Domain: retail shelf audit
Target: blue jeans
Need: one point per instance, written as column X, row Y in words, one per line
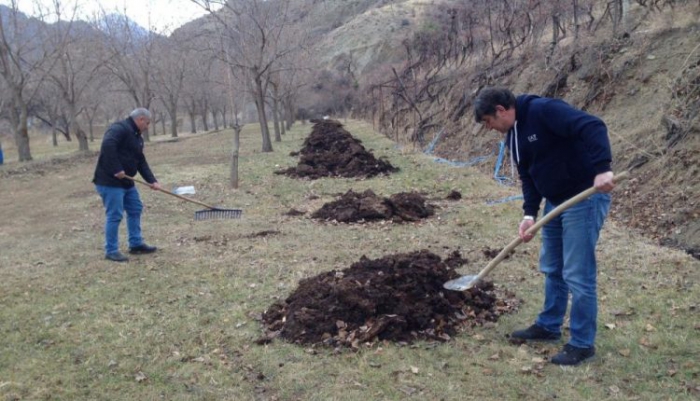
column 116, row 201
column 568, row 261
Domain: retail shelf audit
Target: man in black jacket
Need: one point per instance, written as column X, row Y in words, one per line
column 559, row 151
column 121, row 156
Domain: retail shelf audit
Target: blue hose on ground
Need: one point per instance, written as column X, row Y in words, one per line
column 431, row 146
column 503, row 180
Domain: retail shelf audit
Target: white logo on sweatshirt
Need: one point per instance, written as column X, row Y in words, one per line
column 532, row 138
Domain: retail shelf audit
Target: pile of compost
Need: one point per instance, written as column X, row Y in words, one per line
column 367, row 206
column 396, row 298
column 331, row 151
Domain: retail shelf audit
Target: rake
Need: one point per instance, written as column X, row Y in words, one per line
column 212, row 213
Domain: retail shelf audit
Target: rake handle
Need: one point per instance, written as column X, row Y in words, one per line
column 172, row 194
column 546, row 219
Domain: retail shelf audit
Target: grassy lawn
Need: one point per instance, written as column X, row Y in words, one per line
column 181, row 324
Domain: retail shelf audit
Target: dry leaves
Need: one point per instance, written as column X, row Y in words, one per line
column 140, row 377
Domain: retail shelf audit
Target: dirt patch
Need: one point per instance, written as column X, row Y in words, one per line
column 262, row 234
column 396, row 298
column 367, row 206
column 454, row 195
column 293, row 213
column 331, row 151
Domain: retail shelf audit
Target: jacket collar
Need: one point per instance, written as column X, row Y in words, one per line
column 133, row 125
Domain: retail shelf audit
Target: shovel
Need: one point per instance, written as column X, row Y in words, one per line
column 212, row 213
column 466, row 282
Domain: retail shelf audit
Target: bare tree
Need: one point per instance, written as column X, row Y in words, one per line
column 132, row 59
column 233, row 177
column 256, row 35
column 170, row 72
column 49, row 109
column 77, row 68
column 25, row 58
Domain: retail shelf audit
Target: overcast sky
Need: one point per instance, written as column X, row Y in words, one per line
column 162, row 15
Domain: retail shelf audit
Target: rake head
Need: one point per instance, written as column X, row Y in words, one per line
column 213, row 214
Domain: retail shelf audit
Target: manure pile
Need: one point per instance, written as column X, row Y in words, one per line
column 396, row 298
column 331, row 151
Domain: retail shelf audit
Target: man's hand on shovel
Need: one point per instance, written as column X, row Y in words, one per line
column 603, row 182
column 524, row 225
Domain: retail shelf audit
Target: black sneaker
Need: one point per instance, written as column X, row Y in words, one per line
column 142, row 249
column 535, row 333
column 571, row 356
column 116, row 257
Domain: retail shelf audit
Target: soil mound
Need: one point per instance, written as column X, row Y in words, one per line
column 331, row 151
column 454, row 195
column 367, row 206
column 396, row 298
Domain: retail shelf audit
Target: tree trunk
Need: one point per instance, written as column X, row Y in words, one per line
column 21, row 132
column 234, row 156
column 216, row 121
column 82, row 140
column 276, row 120
column 173, row 125
column 259, row 95
column 54, row 132
column 289, row 107
column 91, row 128
column 172, row 111
column 281, row 117
column 205, row 114
column 193, row 124
column 74, row 126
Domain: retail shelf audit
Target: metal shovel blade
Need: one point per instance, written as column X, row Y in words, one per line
column 461, row 283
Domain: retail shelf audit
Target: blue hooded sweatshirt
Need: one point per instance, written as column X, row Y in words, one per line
column 558, row 150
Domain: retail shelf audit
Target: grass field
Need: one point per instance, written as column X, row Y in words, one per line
column 181, row 324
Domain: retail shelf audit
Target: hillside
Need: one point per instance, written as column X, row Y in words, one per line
column 644, row 84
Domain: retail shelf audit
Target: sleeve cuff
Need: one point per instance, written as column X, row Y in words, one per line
column 601, row 168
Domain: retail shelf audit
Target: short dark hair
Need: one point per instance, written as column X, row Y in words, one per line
column 490, row 97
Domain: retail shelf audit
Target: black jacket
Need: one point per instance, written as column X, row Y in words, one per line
column 558, row 150
column 122, row 150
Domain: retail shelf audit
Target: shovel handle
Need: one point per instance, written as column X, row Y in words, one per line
column 172, row 194
column 545, row 219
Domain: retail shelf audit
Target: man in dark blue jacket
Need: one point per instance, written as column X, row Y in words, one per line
column 121, row 156
column 559, row 151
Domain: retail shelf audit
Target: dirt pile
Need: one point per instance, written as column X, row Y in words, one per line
column 367, row 206
column 331, row 151
column 396, row 298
